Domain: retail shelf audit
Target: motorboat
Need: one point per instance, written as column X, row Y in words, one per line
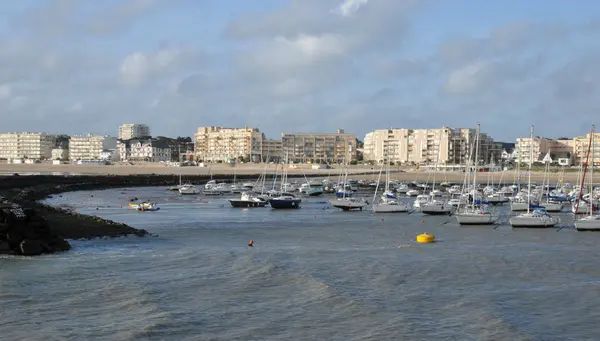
column 402, row 188
column 497, row 199
column 143, row 206
column 189, row 189
column 454, row 189
column 421, row 200
column 315, row 191
column 247, row 200
column 437, row 207
column 413, row 193
column 342, row 193
column 348, row 203
column 223, row 188
column 285, row 201
column 538, row 218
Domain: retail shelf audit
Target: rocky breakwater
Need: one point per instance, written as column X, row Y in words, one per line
column 24, row 232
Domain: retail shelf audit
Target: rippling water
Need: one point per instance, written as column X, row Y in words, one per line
column 314, row 274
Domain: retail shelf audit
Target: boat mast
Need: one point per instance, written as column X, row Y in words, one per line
column 529, row 168
column 476, row 164
column 587, row 158
column 592, row 139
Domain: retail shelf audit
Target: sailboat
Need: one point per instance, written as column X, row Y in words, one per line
column 590, row 222
column 474, row 213
column 549, row 205
column 387, row 204
column 285, row 200
column 434, row 206
column 347, row 203
column 538, row 217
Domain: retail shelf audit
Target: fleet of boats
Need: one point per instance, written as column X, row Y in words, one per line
column 471, row 203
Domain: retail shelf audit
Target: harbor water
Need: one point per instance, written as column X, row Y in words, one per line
column 314, row 273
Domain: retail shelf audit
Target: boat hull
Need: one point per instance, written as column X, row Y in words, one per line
column 390, row 208
column 532, row 223
column 475, row 219
column 246, row 203
column 553, row 207
column 285, row 204
column 585, row 224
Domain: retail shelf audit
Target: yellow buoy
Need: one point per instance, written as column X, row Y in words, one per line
column 425, row 238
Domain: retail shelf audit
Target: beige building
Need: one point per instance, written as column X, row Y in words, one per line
column 337, row 147
column 33, row 146
column 541, row 148
column 90, row 147
column 581, row 146
column 428, row 146
column 131, row 131
column 225, row 144
column 271, row 150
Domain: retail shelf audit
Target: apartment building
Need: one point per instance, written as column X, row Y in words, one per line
column 145, row 150
column 337, row 147
column 271, row 150
column 581, row 146
column 131, row 131
column 225, row 144
column 33, row 146
column 429, row 146
column 90, row 147
column 543, row 149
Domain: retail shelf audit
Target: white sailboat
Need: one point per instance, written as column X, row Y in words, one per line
column 475, row 214
column 434, row 206
column 387, row 204
column 539, row 217
column 189, row 189
column 590, row 222
column 549, row 206
column 346, row 203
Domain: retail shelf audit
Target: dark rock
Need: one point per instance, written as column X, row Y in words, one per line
column 4, row 247
column 32, row 247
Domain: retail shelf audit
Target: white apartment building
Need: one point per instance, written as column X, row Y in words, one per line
column 146, row 150
column 131, row 131
column 336, row 147
column 90, row 147
column 543, row 147
column 224, row 144
column 428, row 146
column 33, row 146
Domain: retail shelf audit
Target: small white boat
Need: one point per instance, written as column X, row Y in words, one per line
column 437, row 207
column 421, row 200
column 412, row 193
column 476, row 216
column 144, row 206
column 588, row 223
column 387, row 205
column 552, row 206
column 537, row 218
column 189, row 189
column 402, row 188
column 348, row 203
column 238, row 189
column 496, row 199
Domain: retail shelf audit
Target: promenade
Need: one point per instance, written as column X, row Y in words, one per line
column 356, row 172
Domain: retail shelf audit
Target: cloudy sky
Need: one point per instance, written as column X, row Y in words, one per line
column 76, row 66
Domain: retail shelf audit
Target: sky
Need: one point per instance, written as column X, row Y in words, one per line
column 77, row 67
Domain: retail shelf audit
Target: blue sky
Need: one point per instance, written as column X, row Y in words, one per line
column 74, row 66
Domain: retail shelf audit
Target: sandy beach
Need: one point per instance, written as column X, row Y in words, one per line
column 357, row 172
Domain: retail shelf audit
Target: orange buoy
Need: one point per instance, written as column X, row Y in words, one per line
column 422, row 220
column 314, row 216
column 251, row 242
column 381, row 219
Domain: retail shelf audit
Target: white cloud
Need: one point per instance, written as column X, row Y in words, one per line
column 349, row 7
column 466, row 79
